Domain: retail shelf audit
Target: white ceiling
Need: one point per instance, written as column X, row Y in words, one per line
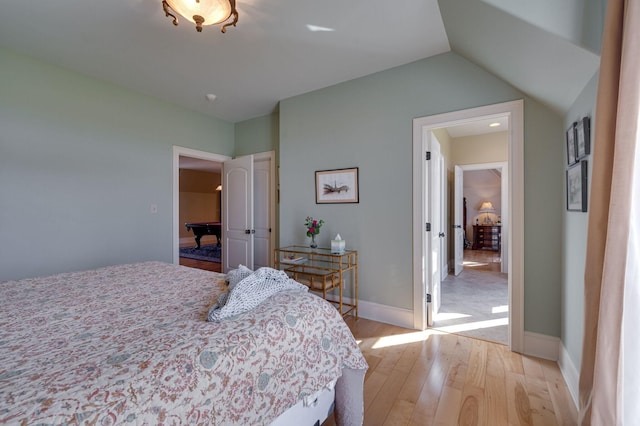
column 273, row 53
column 479, row 127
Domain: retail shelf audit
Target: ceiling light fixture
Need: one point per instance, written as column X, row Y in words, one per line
column 494, row 124
column 203, row 12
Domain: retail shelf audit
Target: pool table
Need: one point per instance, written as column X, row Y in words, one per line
column 205, row 228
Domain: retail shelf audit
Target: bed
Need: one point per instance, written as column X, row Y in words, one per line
column 130, row 344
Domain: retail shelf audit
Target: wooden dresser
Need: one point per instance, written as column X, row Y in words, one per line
column 487, row 237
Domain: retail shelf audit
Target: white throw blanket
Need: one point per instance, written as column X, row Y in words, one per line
column 251, row 291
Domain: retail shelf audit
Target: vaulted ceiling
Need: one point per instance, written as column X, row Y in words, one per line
column 283, row 48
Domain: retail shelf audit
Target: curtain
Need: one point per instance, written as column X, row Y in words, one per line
column 609, row 391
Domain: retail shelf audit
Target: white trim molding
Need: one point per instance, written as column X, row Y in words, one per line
column 515, row 239
column 541, row 345
column 381, row 313
column 570, row 373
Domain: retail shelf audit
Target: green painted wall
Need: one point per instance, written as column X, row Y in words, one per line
column 575, row 242
column 367, row 123
column 259, row 134
column 81, row 162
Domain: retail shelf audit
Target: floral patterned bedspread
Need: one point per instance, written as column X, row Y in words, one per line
column 129, row 344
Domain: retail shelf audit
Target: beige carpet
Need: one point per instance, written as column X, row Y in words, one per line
column 475, row 304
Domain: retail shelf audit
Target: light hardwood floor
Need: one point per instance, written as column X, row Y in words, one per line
column 482, row 260
column 425, row 378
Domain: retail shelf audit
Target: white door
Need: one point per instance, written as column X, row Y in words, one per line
column 458, row 226
column 237, row 213
column 444, row 257
column 434, row 235
column 262, row 186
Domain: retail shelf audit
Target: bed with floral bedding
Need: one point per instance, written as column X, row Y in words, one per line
column 130, row 344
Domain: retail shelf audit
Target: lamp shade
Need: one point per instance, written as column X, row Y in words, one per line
column 202, row 12
column 212, row 11
column 487, row 207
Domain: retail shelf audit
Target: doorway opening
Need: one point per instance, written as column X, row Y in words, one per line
column 475, row 299
column 197, row 201
column 512, row 227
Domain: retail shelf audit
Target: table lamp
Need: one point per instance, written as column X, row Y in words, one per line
column 487, row 207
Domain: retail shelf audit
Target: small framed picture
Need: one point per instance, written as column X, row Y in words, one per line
column 577, row 187
column 583, row 142
column 571, row 144
column 337, row 186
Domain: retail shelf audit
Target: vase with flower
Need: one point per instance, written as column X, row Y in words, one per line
column 313, row 228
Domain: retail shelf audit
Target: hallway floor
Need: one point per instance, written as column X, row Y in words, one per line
column 476, row 302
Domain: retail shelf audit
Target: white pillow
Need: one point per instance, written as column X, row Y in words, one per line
column 234, row 276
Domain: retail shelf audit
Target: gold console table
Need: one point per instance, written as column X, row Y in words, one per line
column 322, row 271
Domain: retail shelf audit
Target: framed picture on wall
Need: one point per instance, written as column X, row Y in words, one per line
column 577, row 187
column 583, row 141
column 337, row 186
column 571, row 144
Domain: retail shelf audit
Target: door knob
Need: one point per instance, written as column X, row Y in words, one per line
column 441, row 235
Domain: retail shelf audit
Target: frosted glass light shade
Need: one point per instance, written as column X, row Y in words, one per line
column 212, row 11
column 202, row 12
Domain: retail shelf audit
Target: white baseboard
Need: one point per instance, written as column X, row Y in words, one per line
column 541, row 345
column 570, row 373
column 381, row 313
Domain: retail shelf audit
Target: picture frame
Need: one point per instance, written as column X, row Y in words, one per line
column 577, row 187
column 583, row 140
column 337, row 186
column 571, row 144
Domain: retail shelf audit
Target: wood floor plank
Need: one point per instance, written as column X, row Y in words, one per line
column 532, row 368
column 448, row 406
column 372, row 387
column 448, row 379
column 412, row 388
column 519, row 407
column 477, row 366
column 496, row 400
column 409, row 356
column 495, row 362
column 424, row 412
column 400, row 413
column 385, row 399
column 473, row 410
column 542, row 413
column 563, row 405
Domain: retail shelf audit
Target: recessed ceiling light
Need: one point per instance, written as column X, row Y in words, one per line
column 211, row 97
column 494, row 124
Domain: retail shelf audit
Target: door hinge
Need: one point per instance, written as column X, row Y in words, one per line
column 428, row 298
column 428, row 155
column 428, row 226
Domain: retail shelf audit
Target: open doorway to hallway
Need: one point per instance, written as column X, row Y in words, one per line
column 424, row 129
column 475, row 301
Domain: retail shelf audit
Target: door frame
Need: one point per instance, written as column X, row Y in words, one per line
column 422, row 126
column 179, row 151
